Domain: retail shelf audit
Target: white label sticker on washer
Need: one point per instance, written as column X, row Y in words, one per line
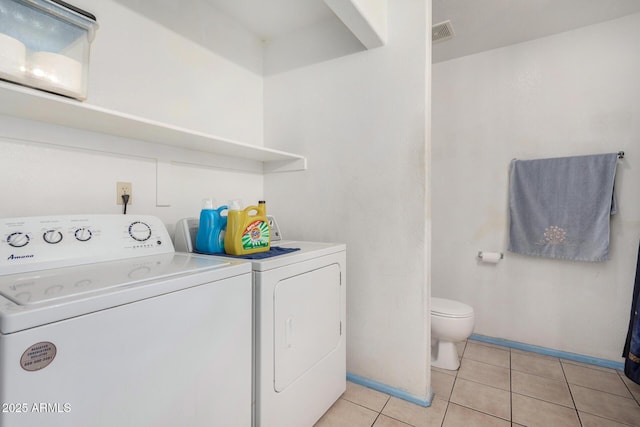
column 38, row 356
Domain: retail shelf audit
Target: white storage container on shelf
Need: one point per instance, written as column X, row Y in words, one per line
column 45, row 44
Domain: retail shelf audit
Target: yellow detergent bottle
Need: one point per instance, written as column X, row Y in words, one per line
column 247, row 230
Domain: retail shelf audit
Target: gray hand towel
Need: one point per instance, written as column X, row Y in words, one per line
column 561, row 207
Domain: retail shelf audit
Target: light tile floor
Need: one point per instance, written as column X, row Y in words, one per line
column 498, row 386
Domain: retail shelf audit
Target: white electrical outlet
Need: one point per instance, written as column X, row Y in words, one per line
column 275, row 230
column 121, row 189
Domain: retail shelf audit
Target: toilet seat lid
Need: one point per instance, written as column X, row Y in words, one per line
column 450, row 308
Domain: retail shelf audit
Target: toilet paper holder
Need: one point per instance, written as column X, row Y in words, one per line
column 481, row 254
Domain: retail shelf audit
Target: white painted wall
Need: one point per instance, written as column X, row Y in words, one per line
column 322, row 41
column 570, row 94
column 204, row 24
column 363, row 122
column 361, row 119
column 367, row 19
column 141, row 68
column 375, row 11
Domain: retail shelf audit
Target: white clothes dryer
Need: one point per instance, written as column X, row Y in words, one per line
column 102, row 324
column 299, row 329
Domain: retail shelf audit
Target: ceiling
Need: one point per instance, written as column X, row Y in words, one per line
column 481, row 25
column 272, row 18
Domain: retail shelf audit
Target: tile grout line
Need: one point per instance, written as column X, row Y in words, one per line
column 446, row 409
column 624, row 423
column 564, row 381
column 488, row 385
column 575, row 406
column 375, row 419
column 633, row 396
column 366, row 407
column 541, row 376
column 604, row 392
column 595, row 414
column 510, row 389
column 475, row 382
column 455, row 379
column 389, row 416
column 379, row 412
column 599, row 415
column 381, row 409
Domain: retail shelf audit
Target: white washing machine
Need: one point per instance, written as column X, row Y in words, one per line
column 299, row 335
column 102, row 324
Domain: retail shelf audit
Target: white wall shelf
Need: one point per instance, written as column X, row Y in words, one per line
column 32, row 104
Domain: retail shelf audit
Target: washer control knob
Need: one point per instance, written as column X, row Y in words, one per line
column 83, row 234
column 18, row 239
column 139, row 231
column 52, row 236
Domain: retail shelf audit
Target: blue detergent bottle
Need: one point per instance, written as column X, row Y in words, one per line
column 212, row 228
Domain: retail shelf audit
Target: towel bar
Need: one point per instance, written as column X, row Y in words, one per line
column 620, row 155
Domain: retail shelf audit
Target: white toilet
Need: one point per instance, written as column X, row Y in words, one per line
column 451, row 322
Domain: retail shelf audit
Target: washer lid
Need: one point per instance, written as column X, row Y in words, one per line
column 450, row 308
column 45, row 286
column 40, row 297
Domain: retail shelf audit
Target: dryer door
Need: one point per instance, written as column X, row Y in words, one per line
column 307, row 323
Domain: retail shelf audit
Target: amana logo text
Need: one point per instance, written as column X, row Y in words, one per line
column 12, row 256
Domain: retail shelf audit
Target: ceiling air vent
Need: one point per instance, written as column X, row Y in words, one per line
column 441, row 32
